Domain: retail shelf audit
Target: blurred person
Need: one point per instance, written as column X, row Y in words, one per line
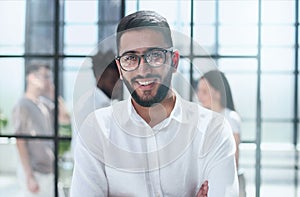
column 154, row 143
column 48, row 97
column 214, row 93
column 108, row 89
column 34, row 115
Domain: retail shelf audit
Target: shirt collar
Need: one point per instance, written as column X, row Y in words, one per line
column 130, row 122
column 176, row 113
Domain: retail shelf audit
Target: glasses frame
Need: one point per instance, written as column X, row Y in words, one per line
column 165, row 51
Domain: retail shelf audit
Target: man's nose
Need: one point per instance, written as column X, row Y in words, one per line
column 144, row 65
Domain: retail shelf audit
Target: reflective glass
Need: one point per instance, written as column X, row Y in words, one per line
column 80, row 39
column 277, row 96
column 277, row 59
column 248, row 128
column 247, row 12
column 72, row 68
column 247, row 166
column 277, row 132
column 11, row 89
column 12, row 30
column 280, row 12
column 242, row 38
column 278, row 35
column 205, row 12
column 277, row 181
column 131, row 6
column 178, row 18
column 243, row 87
column 238, row 65
column 89, row 8
column 205, row 37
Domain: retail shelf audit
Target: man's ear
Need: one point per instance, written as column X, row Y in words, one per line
column 175, row 60
column 119, row 68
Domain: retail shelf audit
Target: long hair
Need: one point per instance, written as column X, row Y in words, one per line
column 219, row 82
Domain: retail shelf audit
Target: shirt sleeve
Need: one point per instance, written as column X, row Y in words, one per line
column 235, row 121
column 89, row 177
column 20, row 119
column 217, row 155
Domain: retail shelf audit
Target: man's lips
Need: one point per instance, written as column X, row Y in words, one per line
column 146, row 84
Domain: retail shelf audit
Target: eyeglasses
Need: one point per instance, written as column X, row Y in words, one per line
column 154, row 57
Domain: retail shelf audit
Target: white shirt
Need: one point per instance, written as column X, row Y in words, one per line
column 234, row 120
column 90, row 101
column 119, row 154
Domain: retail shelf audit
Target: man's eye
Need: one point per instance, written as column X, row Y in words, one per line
column 130, row 58
column 156, row 54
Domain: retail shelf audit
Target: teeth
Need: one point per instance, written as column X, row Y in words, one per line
column 145, row 83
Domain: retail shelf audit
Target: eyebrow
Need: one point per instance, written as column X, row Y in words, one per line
column 132, row 51
column 148, row 49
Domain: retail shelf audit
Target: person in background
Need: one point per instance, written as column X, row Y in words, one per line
column 34, row 115
column 154, row 143
column 214, row 93
column 48, row 97
column 108, row 89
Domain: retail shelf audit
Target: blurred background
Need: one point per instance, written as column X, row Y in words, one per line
column 254, row 42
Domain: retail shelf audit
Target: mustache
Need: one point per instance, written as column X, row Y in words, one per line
column 144, row 77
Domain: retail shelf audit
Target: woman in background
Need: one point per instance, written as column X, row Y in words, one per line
column 213, row 92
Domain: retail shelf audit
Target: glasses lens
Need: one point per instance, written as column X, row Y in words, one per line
column 129, row 61
column 156, row 57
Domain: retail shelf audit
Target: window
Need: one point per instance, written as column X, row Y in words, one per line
column 254, row 42
column 62, row 35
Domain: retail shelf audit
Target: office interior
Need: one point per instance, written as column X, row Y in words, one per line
column 254, row 42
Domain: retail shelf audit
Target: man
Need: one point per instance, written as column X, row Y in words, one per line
column 155, row 143
column 32, row 116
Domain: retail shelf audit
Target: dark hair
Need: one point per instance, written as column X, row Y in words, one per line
column 219, row 82
column 144, row 19
column 33, row 67
column 102, row 61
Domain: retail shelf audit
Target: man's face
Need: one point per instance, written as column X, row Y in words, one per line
column 42, row 80
column 147, row 85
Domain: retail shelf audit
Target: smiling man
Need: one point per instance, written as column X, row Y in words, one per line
column 147, row 71
column 155, row 143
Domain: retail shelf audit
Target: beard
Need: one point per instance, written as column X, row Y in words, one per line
column 160, row 95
